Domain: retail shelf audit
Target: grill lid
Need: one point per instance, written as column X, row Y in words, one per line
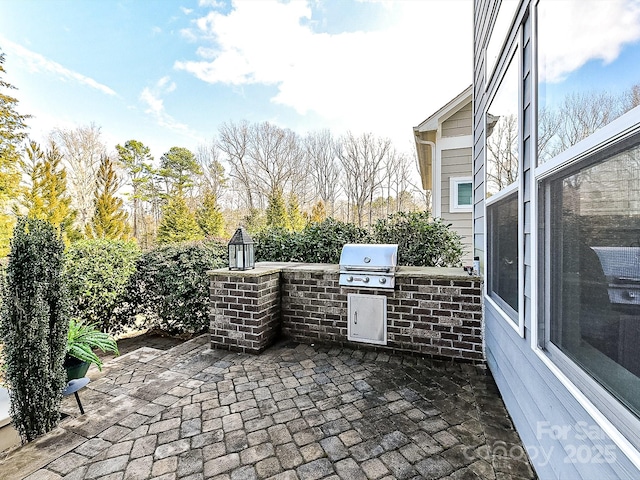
column 363, row 257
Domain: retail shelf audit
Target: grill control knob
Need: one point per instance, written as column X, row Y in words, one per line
column 349, row 278
column 365, row 279
column 383, row 280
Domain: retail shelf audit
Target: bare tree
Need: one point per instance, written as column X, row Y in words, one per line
column 502, row 152
column 400, row 179
column 277, row 158
column 233, row 143
column 362, row 158
column 212, row 178
column 579, row 115
column 324, row 167
column 424, row 196
column 584, row 113
column 631, row 98
column 82, row 149
column 548, row 125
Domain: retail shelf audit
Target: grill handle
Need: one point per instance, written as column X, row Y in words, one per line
column 362, row 268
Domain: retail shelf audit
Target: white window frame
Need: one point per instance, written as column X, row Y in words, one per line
column 602, row 406
column 514, row 319
column 454, row 206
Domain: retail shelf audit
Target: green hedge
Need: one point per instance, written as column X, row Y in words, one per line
column 317, row 243
column 170, row 288
column 115, row 285
column 98, row 273
column 422, row 241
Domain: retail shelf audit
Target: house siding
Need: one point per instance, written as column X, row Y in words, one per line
column 535, row 397
column 457, row 163
column 459, row 123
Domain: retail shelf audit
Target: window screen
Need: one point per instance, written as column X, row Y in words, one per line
column 502, row 253
column 594, row 269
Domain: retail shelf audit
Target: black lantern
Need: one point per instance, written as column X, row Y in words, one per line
column 241, row 256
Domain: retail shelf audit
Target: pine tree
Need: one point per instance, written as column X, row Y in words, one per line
column 277, row 211
column 45, row 195
column 209, row 216
column 109, row 219
column 12, row 133
column 296, row 219
column 178, row 222
column 137, row 160
column 178, row 168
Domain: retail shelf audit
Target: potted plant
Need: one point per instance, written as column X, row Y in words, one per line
column 81, row 340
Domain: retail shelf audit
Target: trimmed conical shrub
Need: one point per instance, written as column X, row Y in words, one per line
column 34, row 325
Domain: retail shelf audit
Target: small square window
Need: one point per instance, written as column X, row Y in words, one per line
column 464, row 194
column 461, row 194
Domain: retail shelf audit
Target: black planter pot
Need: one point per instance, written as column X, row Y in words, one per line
column 75, row 368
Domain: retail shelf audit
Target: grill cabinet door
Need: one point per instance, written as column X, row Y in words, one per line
column 367, row 318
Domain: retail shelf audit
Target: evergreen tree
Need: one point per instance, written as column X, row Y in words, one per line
column 45, row 195
column 137, row 161
column 209, row 216
column 178, row 222
column 109, row 219
column 277, row 210
column 255, row 220
column 12, row 133
column 296, row 219
column 178, row 167
column 34, row 323
column 318, row 212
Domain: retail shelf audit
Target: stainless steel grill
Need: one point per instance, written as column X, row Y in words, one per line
column 621, row 266
column 369, row 265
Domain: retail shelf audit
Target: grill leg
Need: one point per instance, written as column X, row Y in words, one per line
column 79, row 403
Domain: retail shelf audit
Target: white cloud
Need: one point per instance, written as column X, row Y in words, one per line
column 186, row 11
column 385, row 81
column 211, row 3
column 38, row 63
column 151, row 97
column 567, row 46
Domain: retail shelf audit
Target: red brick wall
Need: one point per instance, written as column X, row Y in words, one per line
column 245, row 310
column 435, row 315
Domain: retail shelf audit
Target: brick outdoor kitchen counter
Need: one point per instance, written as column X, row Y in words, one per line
column 433, row 312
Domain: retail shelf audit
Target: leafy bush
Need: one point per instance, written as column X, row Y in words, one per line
column 170, row 288
column 422, row 240
column 317, row 243
column 97, row 274
column 34, row 322
column 322, row 242
column 275, row 244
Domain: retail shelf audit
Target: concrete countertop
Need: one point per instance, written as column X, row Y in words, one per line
column 266, row 268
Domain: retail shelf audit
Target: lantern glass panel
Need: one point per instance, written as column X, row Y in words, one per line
column 232, row 256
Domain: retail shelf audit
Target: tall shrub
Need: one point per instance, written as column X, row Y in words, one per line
column 97, row 273
column 317, row 243
column 170, row 288
column 422, row 240
column 275, row 244
column 34, row 323
column 322, row 242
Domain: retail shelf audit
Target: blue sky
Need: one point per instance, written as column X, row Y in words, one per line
column 168, row 73
column 599, row 50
